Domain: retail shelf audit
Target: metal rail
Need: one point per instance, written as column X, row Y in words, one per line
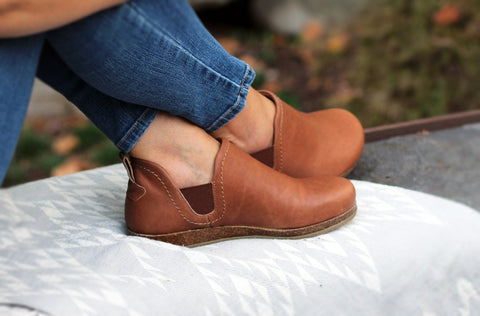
column 373, row 134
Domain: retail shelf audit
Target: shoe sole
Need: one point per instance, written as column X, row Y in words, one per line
column 202, row 236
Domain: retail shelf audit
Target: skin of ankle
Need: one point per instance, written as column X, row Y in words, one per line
column 186, row 151
column 252, row 128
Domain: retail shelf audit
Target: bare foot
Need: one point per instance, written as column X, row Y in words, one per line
column 252, row 128
column 186, row 151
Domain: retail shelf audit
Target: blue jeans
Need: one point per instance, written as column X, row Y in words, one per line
column 120, row 67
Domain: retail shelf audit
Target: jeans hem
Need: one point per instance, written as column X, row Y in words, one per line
column 239, row 104
column 136, row 130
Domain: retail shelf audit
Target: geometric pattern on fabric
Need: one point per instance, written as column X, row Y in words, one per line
column 64, row 250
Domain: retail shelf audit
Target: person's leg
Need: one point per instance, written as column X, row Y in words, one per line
column 123, row 123
column 240, row 196
column 182, row 148
column 157, row 54
column 201, row 94
column 18, row 63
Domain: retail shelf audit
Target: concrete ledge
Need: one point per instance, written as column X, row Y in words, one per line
column 444, row 162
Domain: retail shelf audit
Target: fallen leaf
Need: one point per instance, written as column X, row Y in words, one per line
column 337, row 43
column 71, row 165
column 312, row 31
column 279, row 40
column 307, row 56
column 447, row 14
column 230, row 45
column 65, row 144
column 344, row 94
column 254, row 62
column 273, row 86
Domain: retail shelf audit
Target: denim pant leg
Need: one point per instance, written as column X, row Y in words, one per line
column 123, row 123
column 158, row 54
column 18, row 63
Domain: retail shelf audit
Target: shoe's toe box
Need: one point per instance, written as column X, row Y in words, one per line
column 325, row 198
column 342, row 140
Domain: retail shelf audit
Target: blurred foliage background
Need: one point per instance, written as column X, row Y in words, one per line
column 406, row 60
column 396, row 60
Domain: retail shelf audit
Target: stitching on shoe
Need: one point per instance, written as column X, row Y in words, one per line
column 281, row 134
column 221, row 185
column 171, row 198
column 143, row 194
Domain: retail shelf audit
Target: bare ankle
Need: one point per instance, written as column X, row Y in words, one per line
column 183, row 149
column 252, row 128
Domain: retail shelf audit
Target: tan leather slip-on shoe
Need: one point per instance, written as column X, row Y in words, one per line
column 245, row 199
column 327, row 142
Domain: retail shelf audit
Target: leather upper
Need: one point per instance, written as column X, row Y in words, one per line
column 327, row 142
column 245, row 193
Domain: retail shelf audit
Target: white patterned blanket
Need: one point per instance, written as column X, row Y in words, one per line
column 64, row 251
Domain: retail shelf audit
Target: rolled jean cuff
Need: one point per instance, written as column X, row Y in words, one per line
column 136, row 131
column 139, row 127
column 238, row 104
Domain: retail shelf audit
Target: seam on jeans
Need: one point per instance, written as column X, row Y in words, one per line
column 172, row 200
column 179, row 45
column 235, row 106
column 134, row 127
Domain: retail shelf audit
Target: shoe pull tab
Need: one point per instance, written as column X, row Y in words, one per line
column 128, row 165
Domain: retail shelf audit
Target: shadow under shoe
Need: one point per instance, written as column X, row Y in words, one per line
column 245, row 199
column 327, row 142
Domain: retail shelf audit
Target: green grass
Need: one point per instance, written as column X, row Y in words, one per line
column 31, row 144
column 408, row 66
column 34, row 158
column 89, row 136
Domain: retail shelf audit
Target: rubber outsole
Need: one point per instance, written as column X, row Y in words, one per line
column 202, row 236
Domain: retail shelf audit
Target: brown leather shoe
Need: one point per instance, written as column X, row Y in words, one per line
column 245, row 199
column 327, row 142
